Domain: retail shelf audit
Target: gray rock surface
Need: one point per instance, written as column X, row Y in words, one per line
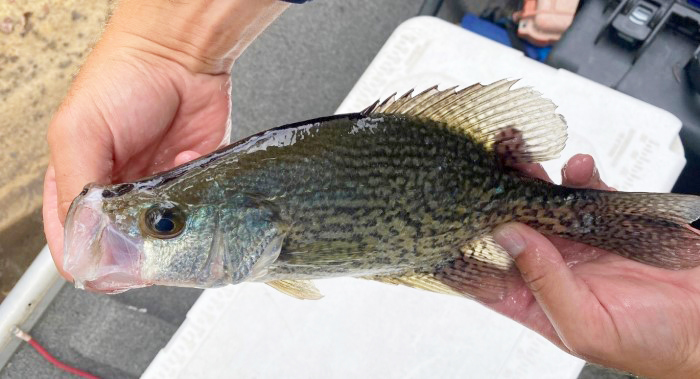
column 305, row 64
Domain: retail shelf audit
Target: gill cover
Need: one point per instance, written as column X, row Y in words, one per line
column 251, row 235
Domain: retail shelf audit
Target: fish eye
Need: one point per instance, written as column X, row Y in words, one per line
column 163, row 221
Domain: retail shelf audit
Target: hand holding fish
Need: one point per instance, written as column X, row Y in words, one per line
column 148, row 98
column 392, row 195
column 600, row 306
column 417, row 190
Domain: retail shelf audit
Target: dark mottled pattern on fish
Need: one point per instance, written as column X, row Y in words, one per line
column 405, row 192
column 389, row 195
column 377, row 195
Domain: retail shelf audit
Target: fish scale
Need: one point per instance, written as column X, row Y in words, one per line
column 405, row 192
column 330, row 228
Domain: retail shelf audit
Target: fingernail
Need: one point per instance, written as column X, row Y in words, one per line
column 508, row 237
column 564, row 177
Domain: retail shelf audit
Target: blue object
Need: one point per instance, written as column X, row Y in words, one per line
column 498, row 33
column 485, row 28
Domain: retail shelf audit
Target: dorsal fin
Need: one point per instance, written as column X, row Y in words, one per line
column 491, row 114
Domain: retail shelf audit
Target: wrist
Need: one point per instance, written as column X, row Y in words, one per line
column 203, row 36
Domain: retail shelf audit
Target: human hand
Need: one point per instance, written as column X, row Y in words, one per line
column 599, row 306
column 153, row 94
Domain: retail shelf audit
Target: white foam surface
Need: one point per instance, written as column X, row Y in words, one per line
column 362, row 329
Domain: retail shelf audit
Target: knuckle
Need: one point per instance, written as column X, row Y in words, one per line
column 536, row 282
column 56, row 126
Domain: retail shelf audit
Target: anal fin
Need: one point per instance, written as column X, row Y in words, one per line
column 484, row 271
column 300, row 289
column 426, row 282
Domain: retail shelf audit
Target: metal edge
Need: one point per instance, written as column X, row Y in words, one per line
column 27, row 301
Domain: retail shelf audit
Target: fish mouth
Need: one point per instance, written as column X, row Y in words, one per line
column 99, row 256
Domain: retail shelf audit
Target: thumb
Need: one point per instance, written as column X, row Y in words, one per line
column 81, row 153
column 562, row 297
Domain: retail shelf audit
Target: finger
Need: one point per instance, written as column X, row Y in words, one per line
column 52, row 226
column 534, row 170
column 561, row 296
column 81, row 153
column 580, row 172
column 186, row 156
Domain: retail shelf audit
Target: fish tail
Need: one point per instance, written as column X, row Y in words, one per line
column 646, row 227
column 651, row 228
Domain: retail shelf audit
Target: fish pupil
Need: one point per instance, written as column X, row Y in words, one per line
column 163, row 221
column 164, row 225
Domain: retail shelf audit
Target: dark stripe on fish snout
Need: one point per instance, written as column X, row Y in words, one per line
column 118, row 191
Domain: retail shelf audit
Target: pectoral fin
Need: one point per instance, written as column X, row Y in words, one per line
column 300, row 289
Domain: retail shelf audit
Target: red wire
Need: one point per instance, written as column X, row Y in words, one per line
column 40, row 349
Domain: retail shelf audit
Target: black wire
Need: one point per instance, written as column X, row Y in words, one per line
column 430, row 7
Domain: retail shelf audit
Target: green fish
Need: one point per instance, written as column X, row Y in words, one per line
column 405, row 192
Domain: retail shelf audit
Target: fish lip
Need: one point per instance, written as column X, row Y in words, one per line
column 98, row 256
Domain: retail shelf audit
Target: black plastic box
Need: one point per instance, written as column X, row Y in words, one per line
column 647, row 49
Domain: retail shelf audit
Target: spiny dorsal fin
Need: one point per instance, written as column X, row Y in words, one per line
column 518, row 121
column 301, row 289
